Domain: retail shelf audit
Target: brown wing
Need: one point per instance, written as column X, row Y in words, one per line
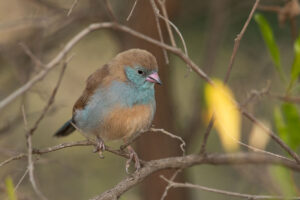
column 92, row 83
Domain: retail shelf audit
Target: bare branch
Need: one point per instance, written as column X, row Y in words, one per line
column 52, row 97
column 31, row 55
column 188, row 161
column 17, row 157
column 131, row 11
column 224, row 192
column 182, row 145
column 74, row 4
column 238, row 39
column 169, row 186
column 110, row 10
column 30, row 162
column 161, row 38
column 166, row 18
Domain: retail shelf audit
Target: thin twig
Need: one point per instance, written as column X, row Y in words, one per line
column 286, row 98
column 110, row 10
column 206, row 134
column 182, row 145
column 31, row 55
column 75, row 2
column 238, row 39
column 52, row 97
column 17, row 157
column 131, row 11
column 177, row 31
column 164, row 195
column 21, row 179
column 30, row 162
column 161, row 38
column 224, row 192
column 165, row 16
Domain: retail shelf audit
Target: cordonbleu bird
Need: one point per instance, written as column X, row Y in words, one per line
column 118, row 101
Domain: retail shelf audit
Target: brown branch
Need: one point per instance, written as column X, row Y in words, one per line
column 182, row 145
column 238, row 39
column 29, row 157
column 131, row 11
column 164, row 195
column 286, row 98
column 224, row 192
column 161, row 38
column 51, row 99
column 74, row 4
column 188, row 161
column 110, row 10
column 17, row 157
column 37, row 62
column 162, row 5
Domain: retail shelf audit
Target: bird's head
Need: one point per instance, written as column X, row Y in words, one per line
column 140, row 67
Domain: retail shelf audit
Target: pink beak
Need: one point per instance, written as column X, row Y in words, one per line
column 154, row 78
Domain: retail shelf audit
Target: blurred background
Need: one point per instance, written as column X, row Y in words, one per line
column 209, row 28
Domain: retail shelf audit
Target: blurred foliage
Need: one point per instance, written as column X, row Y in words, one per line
column 296, row 64
column 271, row 44
column 283, row 177
column 286, row 116
column 10, row 190
column 287, row 122
column 221, row 105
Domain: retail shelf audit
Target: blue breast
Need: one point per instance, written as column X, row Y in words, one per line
column 119, row 94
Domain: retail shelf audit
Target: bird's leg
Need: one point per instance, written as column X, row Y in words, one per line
column 100, row 147
column 132, row 156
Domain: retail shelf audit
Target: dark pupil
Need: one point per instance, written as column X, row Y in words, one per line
column 140, row 72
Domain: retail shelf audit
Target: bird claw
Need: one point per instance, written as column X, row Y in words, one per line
column 132, row 156
column 100, row 147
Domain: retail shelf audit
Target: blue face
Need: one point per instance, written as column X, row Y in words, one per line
column 138, row 76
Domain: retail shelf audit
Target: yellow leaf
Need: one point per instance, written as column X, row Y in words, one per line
column 258, row 138
column 220, row 102
column 10, row 189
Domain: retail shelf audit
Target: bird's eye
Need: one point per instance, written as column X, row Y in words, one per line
column 140, row 72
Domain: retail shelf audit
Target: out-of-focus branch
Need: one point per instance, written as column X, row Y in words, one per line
column 110, row 10
column 51, row 99
column 30, row 161
column 162, row 5
column 131, row 11
column 161, row 38
column 173, row 184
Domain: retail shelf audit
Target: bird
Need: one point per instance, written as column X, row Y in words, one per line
column 118, row 101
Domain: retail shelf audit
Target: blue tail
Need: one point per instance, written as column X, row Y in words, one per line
column 65, row 130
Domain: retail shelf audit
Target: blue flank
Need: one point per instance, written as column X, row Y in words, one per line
column 119, row 94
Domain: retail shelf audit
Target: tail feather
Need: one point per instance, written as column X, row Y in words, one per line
column 65, row 130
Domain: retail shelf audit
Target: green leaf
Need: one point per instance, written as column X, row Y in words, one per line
column 296, row 64
column 270, row 42
column 282, row 177
column 287, row 121
column 10, row 189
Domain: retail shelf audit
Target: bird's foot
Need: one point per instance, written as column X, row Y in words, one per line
column 100, row 147
column 132, row 156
